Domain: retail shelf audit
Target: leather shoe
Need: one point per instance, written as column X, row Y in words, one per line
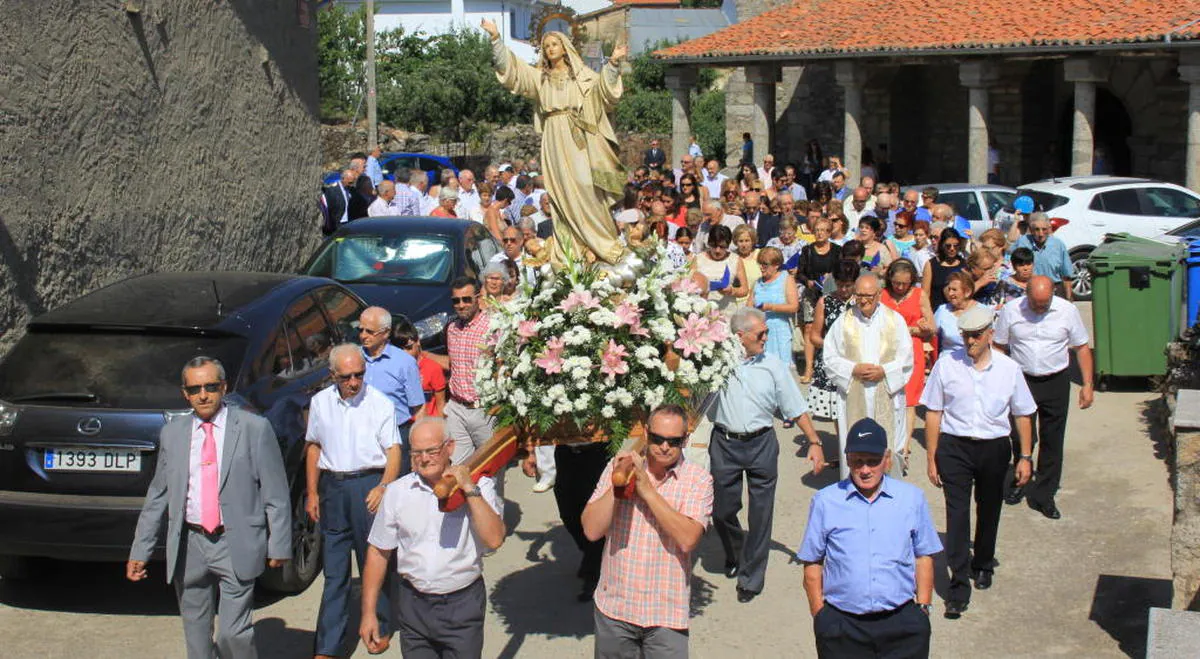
column 1048, row 509
column 954, row 610
column 983, row 579
column 744, row 595
column 731, row 569
column 1014, row 496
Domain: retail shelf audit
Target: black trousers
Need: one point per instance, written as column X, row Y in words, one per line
column 965, row 464
column 757, row 461
column 1052, row 393
column 446, row 626
column 899, row 634
column 579, row 470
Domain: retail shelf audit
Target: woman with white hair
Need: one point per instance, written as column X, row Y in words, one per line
column 447, row 200
column 496, row 279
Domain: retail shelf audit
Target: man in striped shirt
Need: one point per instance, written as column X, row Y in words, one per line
column 645, row 577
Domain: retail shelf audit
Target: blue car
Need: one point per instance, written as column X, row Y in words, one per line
column 393, row 160
column 405, row 265
column 84, row 394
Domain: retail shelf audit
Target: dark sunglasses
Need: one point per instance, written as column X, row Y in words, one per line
column 357, row 375
column 872, row 461
column 674, row 442
column 509, row 240
column 900, row 225
column 210, row 387
column 466, row 299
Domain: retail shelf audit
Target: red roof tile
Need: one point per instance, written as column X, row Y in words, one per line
column 837, row 27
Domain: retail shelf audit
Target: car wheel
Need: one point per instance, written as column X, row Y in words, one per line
column 298, row 573
column 1082, row 286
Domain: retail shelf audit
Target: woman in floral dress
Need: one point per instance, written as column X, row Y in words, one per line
column 822, row 394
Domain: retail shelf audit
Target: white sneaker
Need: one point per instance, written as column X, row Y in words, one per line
column 543, row 484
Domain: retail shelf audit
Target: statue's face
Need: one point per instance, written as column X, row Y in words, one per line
column 552, row 48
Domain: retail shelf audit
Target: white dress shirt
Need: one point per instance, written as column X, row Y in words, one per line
column 1040, row 342
column 192, row 507
column 468, row 201
column 382, row 208
column 713, row 185
column 977, row 403
column 437, row 552
column 354, row 433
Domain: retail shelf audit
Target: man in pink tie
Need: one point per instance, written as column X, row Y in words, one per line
column 220, row 486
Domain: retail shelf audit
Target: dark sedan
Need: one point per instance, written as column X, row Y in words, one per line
column 85, row 392
column 405, row 265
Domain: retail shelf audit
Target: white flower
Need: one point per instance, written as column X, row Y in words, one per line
column 602, row 318
column 608, row 412
column 582, row 402
column 577, row 336
column 553, row 320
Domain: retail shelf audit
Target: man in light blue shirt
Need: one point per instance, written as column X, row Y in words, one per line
column 1050, row 257
column 392, row 371
column 868, row 557
column 374, row 171
column 743, row 444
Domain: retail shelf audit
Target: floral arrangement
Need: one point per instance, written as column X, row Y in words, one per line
column 578, row 351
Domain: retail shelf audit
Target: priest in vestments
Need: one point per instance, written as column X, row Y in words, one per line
column 868, row 354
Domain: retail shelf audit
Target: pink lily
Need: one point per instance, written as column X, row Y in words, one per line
column 576, row 299
column 718, row 329
column 527, row 329
column 685, row 285
column 692, row 335
column 550, row 360
column 629, row 314
column 613, row 362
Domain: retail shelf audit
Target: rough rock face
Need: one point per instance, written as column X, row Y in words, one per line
column 145, row 135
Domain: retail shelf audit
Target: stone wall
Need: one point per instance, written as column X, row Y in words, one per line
column 152, row 135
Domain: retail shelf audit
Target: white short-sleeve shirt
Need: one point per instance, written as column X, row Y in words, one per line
column 977, row 403
column 354, row 433
column 436, row 552
column 1040, row 342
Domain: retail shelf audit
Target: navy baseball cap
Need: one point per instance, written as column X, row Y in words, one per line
column 866, row 436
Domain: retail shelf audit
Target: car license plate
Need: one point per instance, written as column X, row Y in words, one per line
column 93, row 459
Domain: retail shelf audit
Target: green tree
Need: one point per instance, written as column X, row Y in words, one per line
column 341, row 53
column 645, row 107
column 708, row 122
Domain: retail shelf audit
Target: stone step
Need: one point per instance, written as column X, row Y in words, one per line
column 1172, row 634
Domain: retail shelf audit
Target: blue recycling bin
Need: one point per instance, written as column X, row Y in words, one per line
column 1193, row 282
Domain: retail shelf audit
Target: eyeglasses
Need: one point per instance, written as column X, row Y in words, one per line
column 900, row 225
column 866, row 296
column 674, row 442
column 466, row 299
column 873, row 461
column 764, row 264
column 509, row 240
column 427, row 452
column 364, row 330
column 357, row 375
column 210, row 387
column 685, row 184
column 977, row 334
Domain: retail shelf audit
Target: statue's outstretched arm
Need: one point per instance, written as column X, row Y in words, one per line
column 517, row 77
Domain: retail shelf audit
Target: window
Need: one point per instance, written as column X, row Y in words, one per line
column 308, row 335
column 1167, row 202
column 1120, row 202
column 965, row 204
column 480, row 247
column 389, row 167
column 404, row 258
column 1044, row 201
column 343, row 311
column 275, row 360
column 997, row 200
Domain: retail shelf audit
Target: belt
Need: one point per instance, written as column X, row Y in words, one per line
column 196, row 528
column 742, row 436
column 405, row 583
column 874, row 615
column 348, row 475
column 974, row 439
column 1050, row 376
column 464, row 402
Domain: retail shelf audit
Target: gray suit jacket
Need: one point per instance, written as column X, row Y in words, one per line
column 255, row 506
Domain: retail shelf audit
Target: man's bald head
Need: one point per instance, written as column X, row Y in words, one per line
column 1040, row 292
column 861, row 194
column 943, row 212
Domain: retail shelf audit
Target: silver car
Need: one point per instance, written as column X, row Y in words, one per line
column 985, row 205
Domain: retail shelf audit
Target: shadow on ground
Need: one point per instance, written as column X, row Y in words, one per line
column 1121, row 606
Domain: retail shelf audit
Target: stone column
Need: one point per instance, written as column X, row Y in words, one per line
column 850, row 77
column 764, row 77
column 1085, row 73
column 977, row 77
column 1189, row 72
column 680, row 81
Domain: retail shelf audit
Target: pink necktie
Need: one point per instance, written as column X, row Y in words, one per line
column 210, row 505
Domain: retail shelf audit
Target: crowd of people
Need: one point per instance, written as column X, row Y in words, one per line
column 882, row 302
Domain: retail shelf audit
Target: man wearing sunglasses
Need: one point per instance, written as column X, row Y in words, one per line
column 744, row 444
column 868, row 557
column 352, row 453
column 642, row 601
column 972, row 393
column 220, row 486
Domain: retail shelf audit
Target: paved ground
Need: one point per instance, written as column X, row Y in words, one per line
column 1076, row 587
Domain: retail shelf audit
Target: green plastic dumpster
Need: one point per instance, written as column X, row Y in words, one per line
column 1137, row 295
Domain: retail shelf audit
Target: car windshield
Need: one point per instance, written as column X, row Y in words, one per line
column 396, row 259
column 1189, row 230
column 126, row 369
column 998, row 200
column 1045, row 201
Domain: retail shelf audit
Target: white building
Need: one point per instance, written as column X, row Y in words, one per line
column 512, row 17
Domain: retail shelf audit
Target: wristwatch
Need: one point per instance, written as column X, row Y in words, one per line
column 816, row 443
column 473, row 492
column 1027, row 457
column 924, row 608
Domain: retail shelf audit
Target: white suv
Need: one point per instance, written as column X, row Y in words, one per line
column 1084, row 208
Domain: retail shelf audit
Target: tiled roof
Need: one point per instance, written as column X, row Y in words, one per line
column 881, row 27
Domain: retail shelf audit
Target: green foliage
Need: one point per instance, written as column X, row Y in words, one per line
column 708, row 122
column 341, row 57
column 644, row 111
column 700, row 4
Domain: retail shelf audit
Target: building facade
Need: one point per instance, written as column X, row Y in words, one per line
column 512, row 17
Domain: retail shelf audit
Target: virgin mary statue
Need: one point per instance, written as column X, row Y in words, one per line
column 583, row 174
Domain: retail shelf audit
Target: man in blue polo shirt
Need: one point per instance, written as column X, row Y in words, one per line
column 1050, row 256
column 868, row 557
column 392, row 371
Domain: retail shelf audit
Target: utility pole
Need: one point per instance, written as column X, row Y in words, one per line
column 372, row 131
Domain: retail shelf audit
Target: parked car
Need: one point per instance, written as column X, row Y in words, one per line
column 1183, row 233
column 406, row 264
column 985, row 206
column 1084, row 208
column 391, row 161
column 85, row 392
